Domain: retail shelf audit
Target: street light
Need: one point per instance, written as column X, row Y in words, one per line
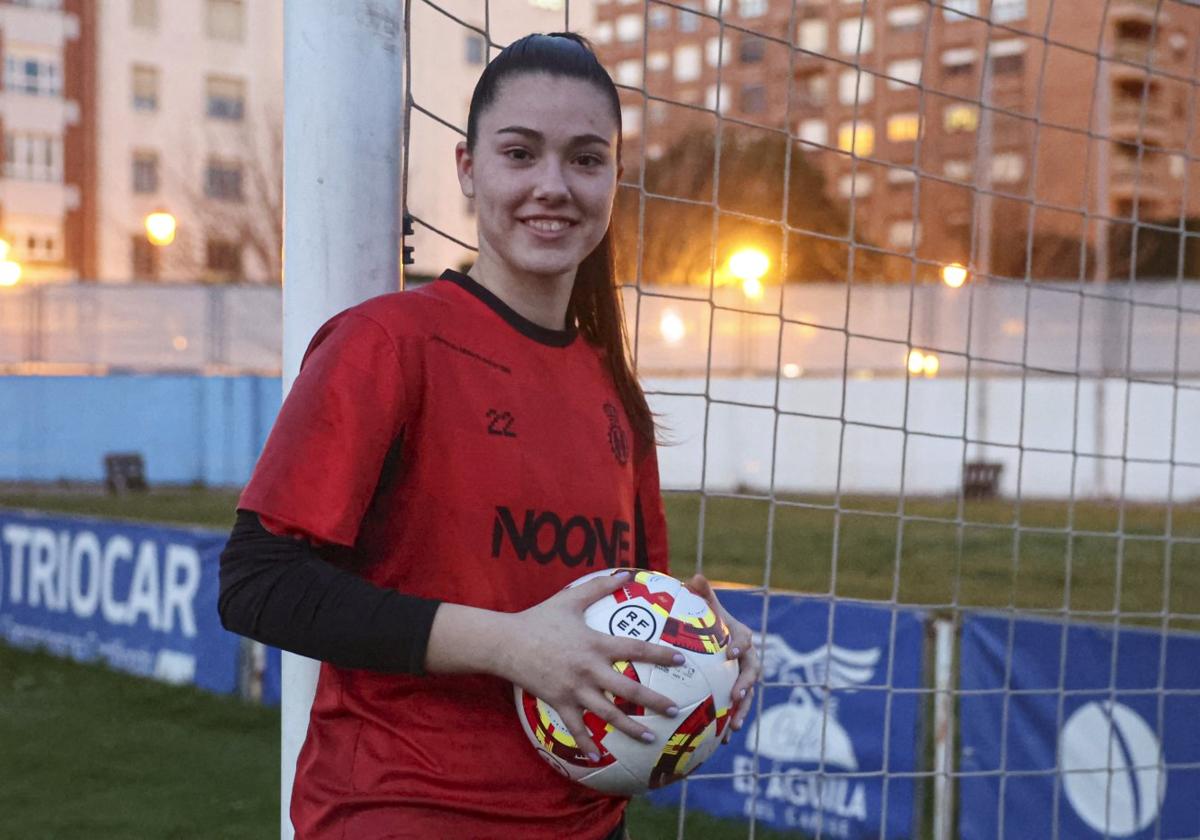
column 10, row 270
column 160, row 228
column 749, row 265
column 954, row 275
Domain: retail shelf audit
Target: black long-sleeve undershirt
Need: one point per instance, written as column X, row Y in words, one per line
column 282, row 592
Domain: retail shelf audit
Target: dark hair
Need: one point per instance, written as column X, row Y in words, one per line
column 595, row 305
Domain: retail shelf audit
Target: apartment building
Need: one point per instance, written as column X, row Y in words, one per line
column 43, row 118
column 447, row 59
column 936, row 122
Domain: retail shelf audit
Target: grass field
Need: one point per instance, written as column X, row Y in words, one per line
column 93, row 753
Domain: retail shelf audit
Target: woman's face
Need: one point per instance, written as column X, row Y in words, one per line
column 543, row 174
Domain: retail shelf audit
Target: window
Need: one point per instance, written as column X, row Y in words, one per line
column 33, row 75
column 1007, row 56
column 226, row 98
column 657, row 61
column 1004, row 11
column 603, row 33
column 752, row 50
column 145, row 172
column 1006, row 65
column 955, row 10
column 813, row 35
column 631, row 120
column 144, row 14
column 629, row 72
column 223, row 180
column 959, row 119
column 145, row 88
column 474, row 49
column 812, row 89
column 899, row 176
column 906, row 18
column 717, row 100
column 904, row 233
column 959, row 62
column 855, row 86
column 754, row 99
column 959, row 170
column 856, row 137
column 1007, row 167
column 144, row 258
column 689, row 21
column 903, row 72
column 223, row 259
column 751, row 8
column 903, row 127
column 855, row 185
column 687, row 63
column 45, row 5
column 225, row 20
column 629, row 28
column 31, row 156
column 659, row 17
column 814, row 131
column 856, row 36
column 714, row 52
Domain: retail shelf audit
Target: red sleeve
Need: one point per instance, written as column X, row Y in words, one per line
column 652, row 548
column 322, row 461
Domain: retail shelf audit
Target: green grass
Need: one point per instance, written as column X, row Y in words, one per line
column 92, row 753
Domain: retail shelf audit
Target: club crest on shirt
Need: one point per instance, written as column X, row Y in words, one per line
column 618, row 441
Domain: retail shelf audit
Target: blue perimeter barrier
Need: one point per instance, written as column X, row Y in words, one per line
column 189, row 428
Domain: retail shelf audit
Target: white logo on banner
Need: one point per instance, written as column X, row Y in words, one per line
column 1112, row 766
column 805, row 731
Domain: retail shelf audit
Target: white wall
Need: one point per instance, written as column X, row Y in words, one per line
column 910, row 438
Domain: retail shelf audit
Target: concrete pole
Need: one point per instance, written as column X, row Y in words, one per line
column 343, row 114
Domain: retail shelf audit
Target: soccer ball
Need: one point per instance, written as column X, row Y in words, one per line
column 656, row 608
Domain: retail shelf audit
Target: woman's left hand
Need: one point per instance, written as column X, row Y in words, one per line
column 741, row 648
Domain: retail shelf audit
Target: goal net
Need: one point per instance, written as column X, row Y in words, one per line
column 913, row 289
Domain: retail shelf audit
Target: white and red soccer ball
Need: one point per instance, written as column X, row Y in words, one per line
column 655, row 608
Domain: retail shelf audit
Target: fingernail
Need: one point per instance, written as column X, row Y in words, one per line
column 742, row 694
column 672, row 711
column 593, row 757
column 648, row 737
column 678, row 659
column 737, row 652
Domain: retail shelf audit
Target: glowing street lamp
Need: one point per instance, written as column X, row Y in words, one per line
column 749, row 265
column 160, row 228
column 954, row 275
column 10, row 272
column 672, row 327
column 923, row 364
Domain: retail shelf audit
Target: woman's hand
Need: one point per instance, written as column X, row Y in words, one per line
column 741, row 648
column 552, row 654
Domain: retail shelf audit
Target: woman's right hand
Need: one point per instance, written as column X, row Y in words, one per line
column 551, row 653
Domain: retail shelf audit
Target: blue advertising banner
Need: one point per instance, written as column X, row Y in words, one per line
column 839, row 726
column 1077, row 731
column 141, row 598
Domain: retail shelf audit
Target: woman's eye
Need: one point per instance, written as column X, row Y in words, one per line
column 518, row 154
column 590, row 160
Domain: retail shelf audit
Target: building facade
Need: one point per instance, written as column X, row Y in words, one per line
column 935, row 123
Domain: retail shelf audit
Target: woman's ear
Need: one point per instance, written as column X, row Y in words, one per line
column 465, row 164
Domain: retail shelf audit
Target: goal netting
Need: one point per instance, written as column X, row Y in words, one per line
column 913, row 288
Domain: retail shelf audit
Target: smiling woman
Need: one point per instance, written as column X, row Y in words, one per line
column 395, row 526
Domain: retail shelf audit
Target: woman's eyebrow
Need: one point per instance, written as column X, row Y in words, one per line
column 537, row 136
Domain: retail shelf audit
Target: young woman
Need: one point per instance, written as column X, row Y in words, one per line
column 446, row 462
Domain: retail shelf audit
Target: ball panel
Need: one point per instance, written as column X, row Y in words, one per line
column 614, row 780
column 694, row 626
column 686, row 684
column 692, row 742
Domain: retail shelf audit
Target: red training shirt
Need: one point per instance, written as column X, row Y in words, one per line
column 473, row 457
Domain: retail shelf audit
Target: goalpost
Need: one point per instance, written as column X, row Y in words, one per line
column 958, row 383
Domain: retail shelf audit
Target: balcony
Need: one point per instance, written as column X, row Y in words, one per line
column 1135, row 10
column 1145, row 179
column 1129, row 121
